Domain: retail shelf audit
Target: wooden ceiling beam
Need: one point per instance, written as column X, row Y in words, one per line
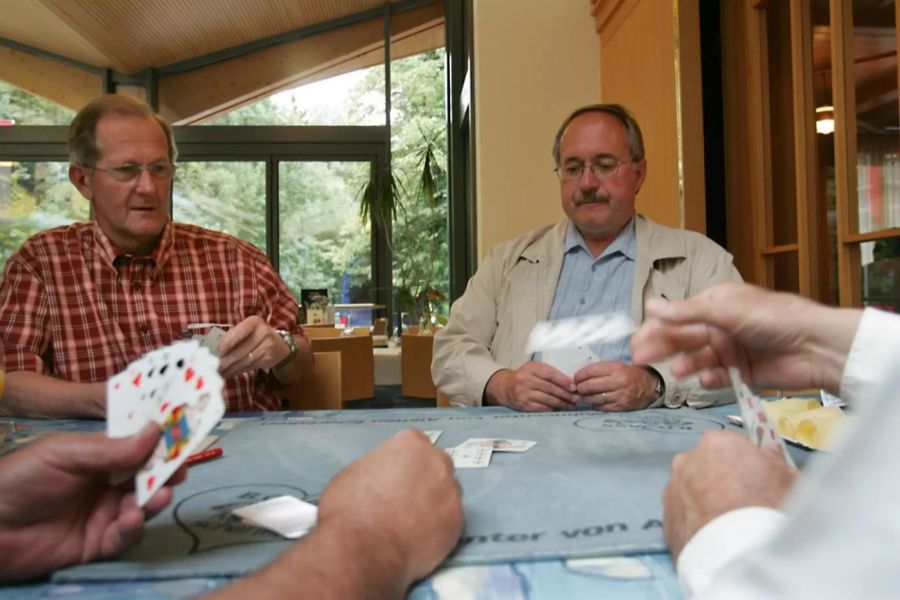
column 193, row 96
column 64, row 84
column 877, row 93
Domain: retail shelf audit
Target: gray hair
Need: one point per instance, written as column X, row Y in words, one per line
column 83, row 148
column 632, row 129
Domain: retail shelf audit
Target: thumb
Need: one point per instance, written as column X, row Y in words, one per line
column 99, row 453
column 679, row 311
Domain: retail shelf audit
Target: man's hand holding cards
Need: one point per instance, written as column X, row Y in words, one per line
column 180, row 388
column 565, row 343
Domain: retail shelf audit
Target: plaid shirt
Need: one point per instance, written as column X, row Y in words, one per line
column 73, row 307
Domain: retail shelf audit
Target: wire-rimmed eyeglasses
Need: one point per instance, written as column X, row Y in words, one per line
column 160, row 170
column 600, row 169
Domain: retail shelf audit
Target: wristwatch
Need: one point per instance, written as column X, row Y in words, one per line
column 660, row 383
column 660, row 386
column 291, row 344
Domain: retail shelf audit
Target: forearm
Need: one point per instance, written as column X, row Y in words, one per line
column 462, row 366
column 499, row 388
column 831, row 345
column 326, row 564
column 29, row 394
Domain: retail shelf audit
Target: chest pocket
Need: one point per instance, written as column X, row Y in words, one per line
column 667, row 280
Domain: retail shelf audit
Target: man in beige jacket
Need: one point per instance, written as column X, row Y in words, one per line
column 603, row 258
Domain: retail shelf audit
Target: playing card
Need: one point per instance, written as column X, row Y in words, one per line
column 470, row 457
column 122, row 394
column 433, row 436
column 578, row 331
column 831, row 399
column 179, row 387
column 501, row 445
column 285, row 515
column 210, row 341
column 191, row 370
column 568, row 361
column 759, row 428
column 131, row 396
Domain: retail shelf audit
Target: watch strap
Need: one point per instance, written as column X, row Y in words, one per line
column 291, row 343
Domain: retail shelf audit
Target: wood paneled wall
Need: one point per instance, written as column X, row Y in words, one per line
column 650, row 63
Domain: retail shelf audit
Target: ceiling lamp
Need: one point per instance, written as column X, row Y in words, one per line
column 825, row 120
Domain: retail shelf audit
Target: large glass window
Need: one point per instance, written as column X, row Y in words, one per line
column 227, row 196
column 294, row 193
column 323, row 244
column 35, row 196
column 419, row 157
column 875, row 81
column 880, row 274
column 333, row 101
column 18, row 107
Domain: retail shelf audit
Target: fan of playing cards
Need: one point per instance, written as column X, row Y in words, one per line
column 565, row 343
column 180, row 388
column 759, row 428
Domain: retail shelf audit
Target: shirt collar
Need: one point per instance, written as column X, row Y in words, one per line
column 625, row 243
column 157, row 258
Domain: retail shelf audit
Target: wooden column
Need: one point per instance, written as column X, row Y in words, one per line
column 650, row 63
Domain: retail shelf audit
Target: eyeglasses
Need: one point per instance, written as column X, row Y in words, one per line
column 601, row 169
column 125, row 173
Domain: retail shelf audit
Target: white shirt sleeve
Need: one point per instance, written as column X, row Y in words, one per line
column 841, row 528
column 874, row 357
column 722, row 540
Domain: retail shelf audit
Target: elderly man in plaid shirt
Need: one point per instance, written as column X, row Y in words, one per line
column 78, row 303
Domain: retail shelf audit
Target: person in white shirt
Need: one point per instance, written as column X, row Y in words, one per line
column 736, row 524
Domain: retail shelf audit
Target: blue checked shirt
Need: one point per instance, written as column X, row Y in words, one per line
column 589, row 285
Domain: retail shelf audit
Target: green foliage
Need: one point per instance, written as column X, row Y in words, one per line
column 34, row 195
column 378, row 200
column 419, row 155
column 28, row 109
column 319, row 203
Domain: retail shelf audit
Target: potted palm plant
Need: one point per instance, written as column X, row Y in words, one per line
column 406, row 205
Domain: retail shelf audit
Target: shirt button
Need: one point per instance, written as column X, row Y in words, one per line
column 143, row 329
column 581, row 301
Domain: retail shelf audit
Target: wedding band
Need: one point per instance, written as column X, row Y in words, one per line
column 250, row 356
column 603, row 395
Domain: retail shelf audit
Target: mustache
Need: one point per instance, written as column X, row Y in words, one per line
column 590, row 198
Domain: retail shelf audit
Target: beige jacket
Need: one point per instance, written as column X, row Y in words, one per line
column 514, row 288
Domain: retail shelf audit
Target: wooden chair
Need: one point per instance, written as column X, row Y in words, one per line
column 319, row 332
column 380, row 326
column 321, row 390
column 415, row 366
column 357, row 364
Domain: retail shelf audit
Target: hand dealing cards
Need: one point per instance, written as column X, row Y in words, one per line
column 210, row 339
column 760, row 430
column 180, row 388
column 565, row 343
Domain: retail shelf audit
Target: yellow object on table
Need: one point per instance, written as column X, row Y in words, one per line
column 805, row 421
column 2, row 381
